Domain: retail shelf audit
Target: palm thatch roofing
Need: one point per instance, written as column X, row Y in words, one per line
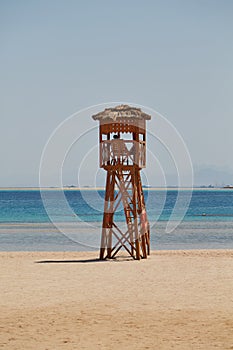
column 121, row 112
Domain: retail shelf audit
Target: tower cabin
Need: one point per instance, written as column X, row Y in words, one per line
column 122, row 153
column 127, row 126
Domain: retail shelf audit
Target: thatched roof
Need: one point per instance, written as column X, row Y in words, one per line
column 122, row 111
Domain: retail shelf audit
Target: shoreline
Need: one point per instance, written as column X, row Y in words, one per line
column 182, row 252
column 163, row 251
column 69, row 188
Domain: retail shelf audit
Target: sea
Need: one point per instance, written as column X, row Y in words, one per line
column 70, row 220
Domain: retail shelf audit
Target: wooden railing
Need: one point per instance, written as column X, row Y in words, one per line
column 123, row 152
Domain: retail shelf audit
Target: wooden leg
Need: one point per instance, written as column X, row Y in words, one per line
column 148, row 241
column 143, row 244
column 102, row 253
column 109, row 244
column 137, row 249
column 103, row 244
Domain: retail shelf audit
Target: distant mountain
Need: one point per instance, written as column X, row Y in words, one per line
column 217, row 176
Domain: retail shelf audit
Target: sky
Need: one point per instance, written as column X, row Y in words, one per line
column 58, row 57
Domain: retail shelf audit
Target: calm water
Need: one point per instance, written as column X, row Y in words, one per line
column 25, row 224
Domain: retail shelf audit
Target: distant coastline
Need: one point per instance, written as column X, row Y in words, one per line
column 73, row 188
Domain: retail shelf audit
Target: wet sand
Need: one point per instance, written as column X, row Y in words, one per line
column 173, row 300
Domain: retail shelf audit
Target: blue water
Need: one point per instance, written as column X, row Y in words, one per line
column 25, row 224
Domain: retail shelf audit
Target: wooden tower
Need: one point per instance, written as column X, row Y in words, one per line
column 122, row 137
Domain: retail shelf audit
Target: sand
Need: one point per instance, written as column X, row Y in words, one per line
column 173, row 300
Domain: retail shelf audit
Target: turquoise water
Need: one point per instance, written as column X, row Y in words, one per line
column 25, row 224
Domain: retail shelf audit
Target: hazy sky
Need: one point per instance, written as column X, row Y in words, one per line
column 58, row 57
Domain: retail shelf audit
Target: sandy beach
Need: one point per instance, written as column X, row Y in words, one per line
column 173, row 300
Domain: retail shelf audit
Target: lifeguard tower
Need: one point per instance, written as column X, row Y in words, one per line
column 122, row 153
